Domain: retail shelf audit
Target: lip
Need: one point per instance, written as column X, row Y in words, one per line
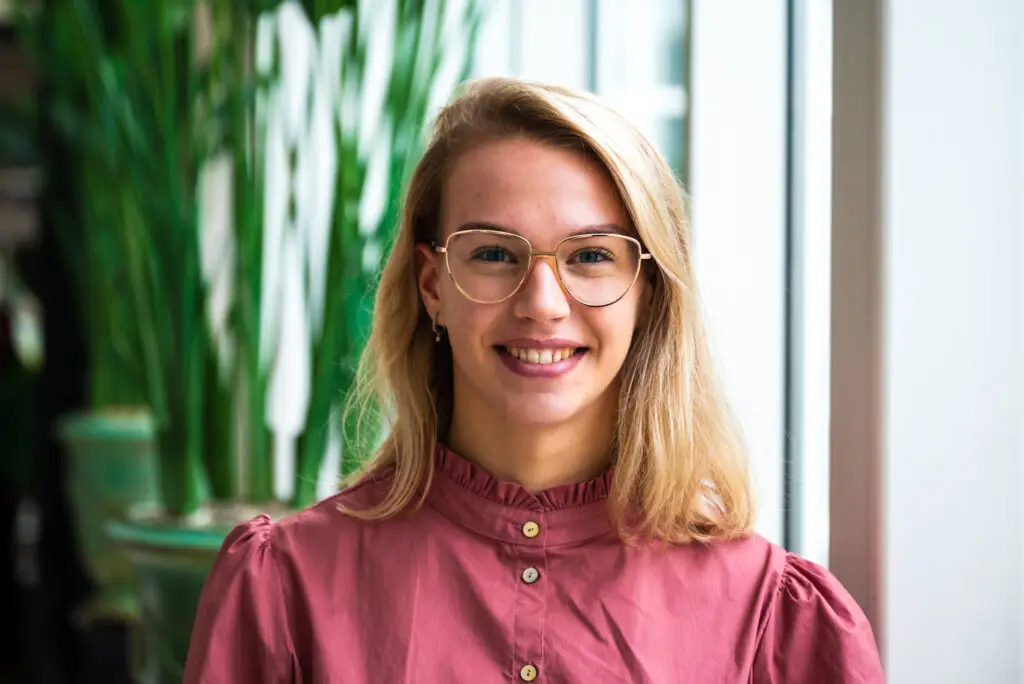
column 540, row 370
column 549, row 343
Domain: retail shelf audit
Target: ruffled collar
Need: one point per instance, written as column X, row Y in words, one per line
column 476, row 480
column 507, row 511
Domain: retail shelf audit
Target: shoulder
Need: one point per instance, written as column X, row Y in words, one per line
column 788, row 582
column 809, row 628
column 263, row 549
column 806, row 595
column 751, row 560
column 257, row 595
column 802, row 625
column 767, row 565
column 240, row 610
column 325, row 525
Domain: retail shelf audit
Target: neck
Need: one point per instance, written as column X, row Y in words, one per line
column 536, row 457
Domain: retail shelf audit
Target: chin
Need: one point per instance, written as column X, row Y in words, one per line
column 539, row 412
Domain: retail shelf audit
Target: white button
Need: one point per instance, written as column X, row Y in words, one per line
column 531, row 529
column 530, row 575
column 528, row 673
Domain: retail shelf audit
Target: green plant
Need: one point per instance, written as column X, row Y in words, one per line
column 424, row 39
column 169, row 105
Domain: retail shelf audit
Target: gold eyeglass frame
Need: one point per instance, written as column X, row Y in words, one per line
column 550, row 256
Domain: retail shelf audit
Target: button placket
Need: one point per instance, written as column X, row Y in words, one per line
column 531, row 598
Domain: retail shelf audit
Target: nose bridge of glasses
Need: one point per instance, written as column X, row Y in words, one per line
column 551, row 259
column 527, row 282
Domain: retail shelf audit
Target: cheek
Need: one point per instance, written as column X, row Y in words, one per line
column 614, row 326
column 454, row 307
column 468, row 323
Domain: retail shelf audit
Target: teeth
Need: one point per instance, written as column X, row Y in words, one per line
column 541, row 356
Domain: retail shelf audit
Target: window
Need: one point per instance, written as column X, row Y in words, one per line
column 606, row 47
column 735, row 95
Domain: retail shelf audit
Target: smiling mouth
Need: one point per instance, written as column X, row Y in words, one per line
column 541, row 357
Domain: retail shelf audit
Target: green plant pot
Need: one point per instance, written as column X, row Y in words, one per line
column 172, row 563
column 112, row 471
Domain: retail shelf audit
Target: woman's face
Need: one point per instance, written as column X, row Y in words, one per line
column 506, row 354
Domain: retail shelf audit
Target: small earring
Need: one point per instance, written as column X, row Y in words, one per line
column 438, row 329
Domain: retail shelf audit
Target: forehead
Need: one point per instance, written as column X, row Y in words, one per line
column 539, row 191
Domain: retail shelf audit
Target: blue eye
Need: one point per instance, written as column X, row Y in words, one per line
column 592, row 256
column 494, row 255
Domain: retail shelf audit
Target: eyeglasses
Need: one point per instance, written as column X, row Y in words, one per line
column 489, row 266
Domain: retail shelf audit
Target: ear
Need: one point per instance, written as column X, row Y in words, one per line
column 429, row 269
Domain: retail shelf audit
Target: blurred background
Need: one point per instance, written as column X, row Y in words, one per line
column 195, row 197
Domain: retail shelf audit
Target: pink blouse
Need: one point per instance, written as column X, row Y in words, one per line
column 489, row 583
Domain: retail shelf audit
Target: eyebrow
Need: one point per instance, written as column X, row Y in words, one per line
column 581, row 230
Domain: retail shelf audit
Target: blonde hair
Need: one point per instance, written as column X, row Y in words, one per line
column 680, row 465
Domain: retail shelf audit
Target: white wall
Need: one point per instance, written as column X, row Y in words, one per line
column 943, row 305
column 953, row 344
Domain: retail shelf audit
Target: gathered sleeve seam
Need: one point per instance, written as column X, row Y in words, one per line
column 772, row 603
column 285, row 622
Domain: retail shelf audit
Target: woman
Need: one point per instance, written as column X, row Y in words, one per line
column 562, row 494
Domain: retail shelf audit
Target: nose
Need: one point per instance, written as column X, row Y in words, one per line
column 542, row 297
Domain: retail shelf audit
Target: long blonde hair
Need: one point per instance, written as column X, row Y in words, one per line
column 680, row 466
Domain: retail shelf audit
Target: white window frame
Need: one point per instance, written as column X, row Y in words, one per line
column 809, row 401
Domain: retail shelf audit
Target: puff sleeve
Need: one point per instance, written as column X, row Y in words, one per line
column 815, row 632
column 241, row 630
